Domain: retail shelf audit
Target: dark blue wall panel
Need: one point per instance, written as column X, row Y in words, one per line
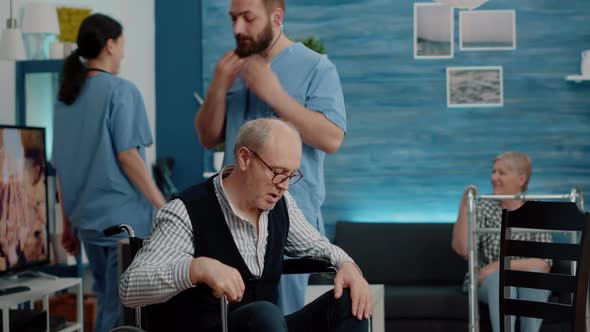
column 407, row 157
column 178, row 75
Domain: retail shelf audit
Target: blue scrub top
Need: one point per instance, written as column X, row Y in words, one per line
column 312, row 80
column 108, row 117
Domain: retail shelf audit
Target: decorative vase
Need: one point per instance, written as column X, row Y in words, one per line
column 69, row 48
column 217, row 160
column 585, row 64
column 56, row 50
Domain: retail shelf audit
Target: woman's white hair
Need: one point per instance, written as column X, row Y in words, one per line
column 518, row 162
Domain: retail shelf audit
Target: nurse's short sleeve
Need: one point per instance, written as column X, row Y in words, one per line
column 325, row 94
column 128, row 121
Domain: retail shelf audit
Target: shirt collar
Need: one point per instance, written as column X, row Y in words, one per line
column 220, row 191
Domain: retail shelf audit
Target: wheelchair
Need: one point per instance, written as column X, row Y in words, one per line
column 305, row 265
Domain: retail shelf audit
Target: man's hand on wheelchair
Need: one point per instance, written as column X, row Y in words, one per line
column 222, row 279
column 349, row 276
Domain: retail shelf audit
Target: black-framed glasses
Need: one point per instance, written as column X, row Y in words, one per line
column 279, row 178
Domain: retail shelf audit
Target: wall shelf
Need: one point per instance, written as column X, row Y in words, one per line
column 577, row 78
column 207, row 175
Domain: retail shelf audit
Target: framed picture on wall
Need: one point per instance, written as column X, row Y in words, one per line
column 487, row 30
column 475, row 86
column 433, row 31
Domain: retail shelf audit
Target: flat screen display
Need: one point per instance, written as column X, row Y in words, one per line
column 23, row 199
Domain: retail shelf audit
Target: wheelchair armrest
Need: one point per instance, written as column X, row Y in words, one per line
column 308, row 265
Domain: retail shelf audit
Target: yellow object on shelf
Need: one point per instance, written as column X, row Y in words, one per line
column 70, row 19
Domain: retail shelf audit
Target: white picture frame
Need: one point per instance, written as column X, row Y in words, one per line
column 487, row 30
column 475, row 86
column 433, row 31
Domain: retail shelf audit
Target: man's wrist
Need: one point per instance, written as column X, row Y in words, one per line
column 194, row 275
column 279, row 101
column 219, row 86
column 216, row 90
column 353, row 264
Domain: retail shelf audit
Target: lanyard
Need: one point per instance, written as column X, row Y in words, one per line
column 97, row 69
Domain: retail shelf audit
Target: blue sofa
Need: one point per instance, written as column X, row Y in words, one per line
column 421, row 273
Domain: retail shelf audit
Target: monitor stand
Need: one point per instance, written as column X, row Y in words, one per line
column 35, row 275
column 27, row 274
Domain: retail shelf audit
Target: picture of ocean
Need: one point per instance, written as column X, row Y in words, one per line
column 488, row 44
column 433, row 31
column 474, row 87
column 427, row 47
column 481, row 30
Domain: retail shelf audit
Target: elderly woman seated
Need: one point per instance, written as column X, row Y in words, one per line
column 511, row 173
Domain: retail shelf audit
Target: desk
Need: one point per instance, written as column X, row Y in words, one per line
column 377, row 291
column 41, row 288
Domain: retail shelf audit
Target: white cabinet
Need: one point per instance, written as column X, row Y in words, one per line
column 41, row 289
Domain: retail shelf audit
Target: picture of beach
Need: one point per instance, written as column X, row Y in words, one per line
column 433, row 31
column 474, row 86
column 487, row 30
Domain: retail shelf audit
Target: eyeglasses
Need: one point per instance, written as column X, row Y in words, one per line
column 279, row 178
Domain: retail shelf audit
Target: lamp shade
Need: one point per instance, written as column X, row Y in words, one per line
column 40, row 17
column 11, row 45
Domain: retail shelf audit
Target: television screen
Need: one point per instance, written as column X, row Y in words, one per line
column 23, row 198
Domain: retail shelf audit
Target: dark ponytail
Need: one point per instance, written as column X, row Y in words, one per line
column 93, row 35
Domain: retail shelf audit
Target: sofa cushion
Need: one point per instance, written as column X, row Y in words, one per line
column 425, row 302
column 431, row 302
column 430, row 325
column 403, row 253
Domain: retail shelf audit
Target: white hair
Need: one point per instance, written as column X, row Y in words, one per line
column 520, row 163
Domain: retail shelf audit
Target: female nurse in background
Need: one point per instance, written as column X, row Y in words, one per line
column 101, row 130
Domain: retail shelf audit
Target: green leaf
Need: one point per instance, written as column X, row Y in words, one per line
column 315, row 44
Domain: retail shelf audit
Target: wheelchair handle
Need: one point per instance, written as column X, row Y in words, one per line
column 117, row 229
column 224, row 313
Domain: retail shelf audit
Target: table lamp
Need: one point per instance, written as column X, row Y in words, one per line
column 40, row 21
column 11, row 40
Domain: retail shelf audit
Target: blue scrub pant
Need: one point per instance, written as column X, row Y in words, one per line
column 292, row 286
column 103, row 264
column 292, row 292
column 489, row 292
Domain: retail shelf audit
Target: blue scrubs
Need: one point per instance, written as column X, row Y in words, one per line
column 108, row 117
column 312, row 80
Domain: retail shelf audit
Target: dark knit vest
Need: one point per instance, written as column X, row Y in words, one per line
column 196, row 309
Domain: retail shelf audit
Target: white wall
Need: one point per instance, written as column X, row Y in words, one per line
column 137, row 17
column 7, row 92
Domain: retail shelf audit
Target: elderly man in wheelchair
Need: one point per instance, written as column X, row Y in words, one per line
column 228, row 235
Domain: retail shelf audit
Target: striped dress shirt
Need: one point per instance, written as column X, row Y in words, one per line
column 161, row 268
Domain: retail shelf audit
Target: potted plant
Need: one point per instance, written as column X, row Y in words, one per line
column 315, row 44
column 218, row 157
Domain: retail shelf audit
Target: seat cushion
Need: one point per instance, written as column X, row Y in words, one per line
column 425, row 302
column 429, row 325
column 431, row 303
column 403, row 253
